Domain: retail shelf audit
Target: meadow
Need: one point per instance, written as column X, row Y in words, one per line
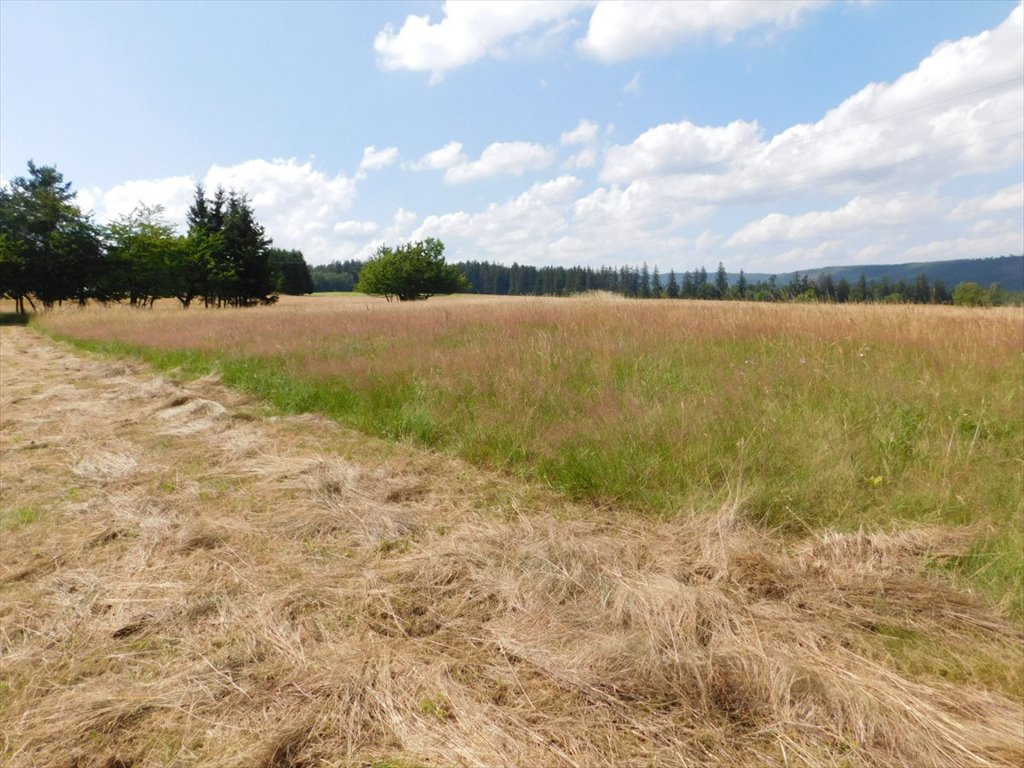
column 805, row 418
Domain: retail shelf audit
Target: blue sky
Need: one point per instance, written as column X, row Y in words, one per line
column 770, row 136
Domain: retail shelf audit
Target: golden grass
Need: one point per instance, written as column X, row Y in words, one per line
column 817, row 416
column 201, row 584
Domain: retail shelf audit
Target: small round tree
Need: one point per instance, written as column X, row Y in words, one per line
column 411, row 271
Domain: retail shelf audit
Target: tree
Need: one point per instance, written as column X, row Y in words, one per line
column 645, row 282
column 292, row 274
column 741, row 285
column 673, row 285
column 410, row 272
column 48, row 248
column 228, row 253
column 143, row 256
column 721, row 281
column 971, row 295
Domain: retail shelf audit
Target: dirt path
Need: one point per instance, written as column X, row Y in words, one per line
column 187, row 580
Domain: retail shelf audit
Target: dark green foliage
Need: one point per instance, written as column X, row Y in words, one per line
column 520, row 280
column 336, row 276
column 291, row 272
column 48, row 248
column 227, row 260
column 410, row 272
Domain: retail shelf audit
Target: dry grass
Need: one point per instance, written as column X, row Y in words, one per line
column 820, row 417
column 185, row 581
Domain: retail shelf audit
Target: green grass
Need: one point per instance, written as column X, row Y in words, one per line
column 16, row 518
column 811, row 417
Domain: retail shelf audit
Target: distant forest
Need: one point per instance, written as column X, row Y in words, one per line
column 869, row 284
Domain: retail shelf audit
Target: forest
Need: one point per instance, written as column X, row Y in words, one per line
column 646, row 283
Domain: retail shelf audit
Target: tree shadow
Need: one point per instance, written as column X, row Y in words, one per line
column 13, row 318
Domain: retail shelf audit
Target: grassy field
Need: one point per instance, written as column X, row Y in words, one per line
column 807, row 417
column 680, row 534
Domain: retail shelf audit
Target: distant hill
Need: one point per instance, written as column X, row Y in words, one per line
column 1008, row 271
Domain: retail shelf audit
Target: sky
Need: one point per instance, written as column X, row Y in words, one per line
column 770, row 136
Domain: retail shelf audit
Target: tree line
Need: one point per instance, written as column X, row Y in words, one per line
column 647, row 283
column 52, row 252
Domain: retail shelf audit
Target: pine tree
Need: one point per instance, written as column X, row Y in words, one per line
column 48, row 248
column 673, row 286
column 721, row 281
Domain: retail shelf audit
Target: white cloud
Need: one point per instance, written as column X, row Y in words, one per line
column 584, row 133
column 374, row 159
column 959, row 112
column 174, row 193
column 675, row 147
column 1008, row 198
column 859, row 213
column 404, row 218
column 633, row 86
column 585, row 158
column 501, row 158
column 355, row 228
column 625, row 30
column 518, row 229
column 468, row 32
column 445, row 157
column 295, row 202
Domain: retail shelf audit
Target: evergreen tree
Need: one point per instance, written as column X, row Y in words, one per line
column 721, row 281
column 673, row 286
column 48, row 248
column 645, row 282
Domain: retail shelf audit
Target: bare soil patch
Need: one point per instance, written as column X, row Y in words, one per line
column 187, row 580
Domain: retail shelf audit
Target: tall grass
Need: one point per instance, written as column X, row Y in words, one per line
column 810, row 417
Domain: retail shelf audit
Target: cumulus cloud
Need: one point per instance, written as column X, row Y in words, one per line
column 355, row 228
column 1006, row 199
column 467, row 32
column 470, row 30
column 445, row 157
column 585, row 158
column 174, row 194
column 675, row 147
column 374, row 159
column 518, row 229
column 295, row 202
column 512, row 158
column 624, row 30
column 857, row 214
column 584, row 133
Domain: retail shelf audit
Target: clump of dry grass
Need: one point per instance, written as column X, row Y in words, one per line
column 284, row 593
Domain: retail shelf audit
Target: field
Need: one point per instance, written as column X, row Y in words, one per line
column 547, row 532
column 804, row 417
